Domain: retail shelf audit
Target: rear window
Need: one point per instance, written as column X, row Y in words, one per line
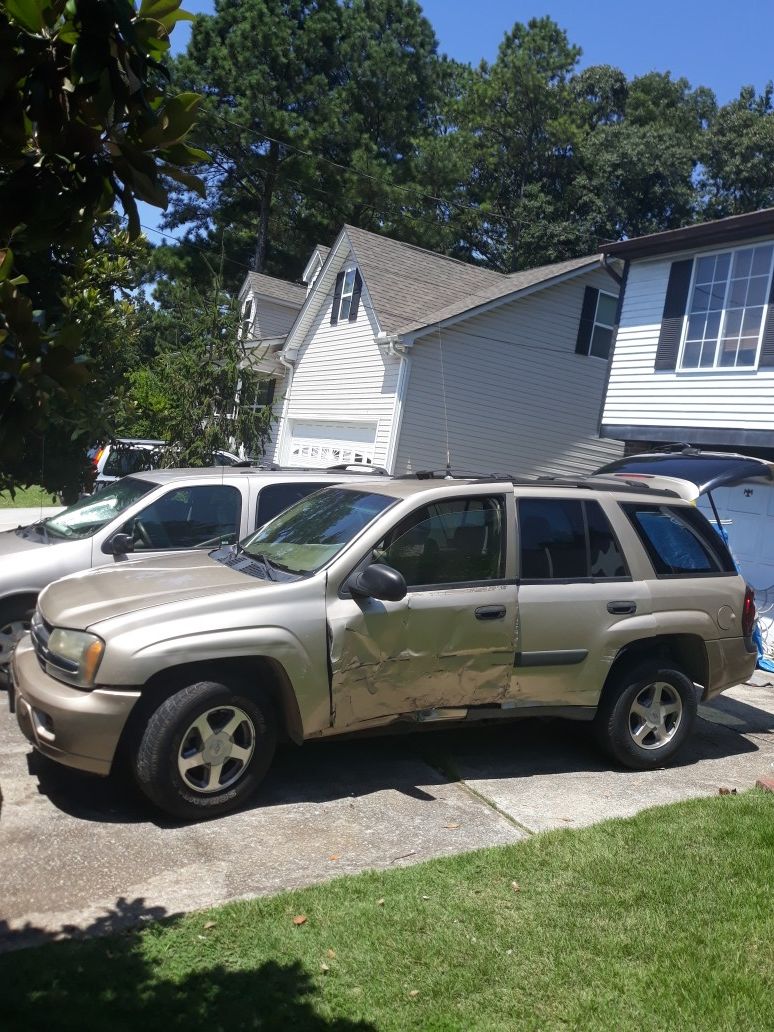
column 275, row 498
column 564, row 539
column 679, row 541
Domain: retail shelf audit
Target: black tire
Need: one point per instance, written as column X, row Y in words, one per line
column 12, row 613
column 169, row 734
column 621, row 716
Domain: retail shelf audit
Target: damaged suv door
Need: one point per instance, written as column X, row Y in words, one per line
column 449, row 642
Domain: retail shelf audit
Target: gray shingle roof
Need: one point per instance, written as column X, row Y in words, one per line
column 407, row 282
column 505, row 285
column 283, row 290
column 411, row 288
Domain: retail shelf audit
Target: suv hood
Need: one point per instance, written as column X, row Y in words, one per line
column 96, row 595
column 11, row 542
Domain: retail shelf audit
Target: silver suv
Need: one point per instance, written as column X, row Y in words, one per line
column 374, row 604
column 156, row 513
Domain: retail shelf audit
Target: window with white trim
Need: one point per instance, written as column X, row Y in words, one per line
column 604, row 323
column 347, row 290
column 727, row 307
column 247, row 314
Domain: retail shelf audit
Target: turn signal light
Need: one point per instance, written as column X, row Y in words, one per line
column 748, row 613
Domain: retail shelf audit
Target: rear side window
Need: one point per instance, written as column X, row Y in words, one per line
column 275, row 498
column 563, row 539
column 679, row 541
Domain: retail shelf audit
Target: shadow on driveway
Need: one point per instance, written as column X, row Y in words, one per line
column 325, row 771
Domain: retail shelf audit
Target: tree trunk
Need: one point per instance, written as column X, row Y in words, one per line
column 269, row 183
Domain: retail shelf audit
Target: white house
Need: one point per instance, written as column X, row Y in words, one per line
column 693, row 362
column 406, row 359
column 694, row 354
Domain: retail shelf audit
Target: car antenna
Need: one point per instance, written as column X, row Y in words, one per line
column 448, row 475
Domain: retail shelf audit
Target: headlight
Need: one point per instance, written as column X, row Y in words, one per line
column 76, row 655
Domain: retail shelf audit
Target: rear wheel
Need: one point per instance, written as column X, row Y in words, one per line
column 645, row 715
column 205, row 750
column 15, row 620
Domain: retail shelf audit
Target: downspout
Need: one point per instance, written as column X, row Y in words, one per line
column 289, row 364
column 395, row 349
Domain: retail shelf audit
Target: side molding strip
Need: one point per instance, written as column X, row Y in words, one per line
column 561, row 657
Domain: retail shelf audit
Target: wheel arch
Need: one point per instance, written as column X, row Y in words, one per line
column 687, row 652
column 22, row 596
column 250, row 674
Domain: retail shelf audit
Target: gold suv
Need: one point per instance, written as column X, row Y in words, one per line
column 374, row 604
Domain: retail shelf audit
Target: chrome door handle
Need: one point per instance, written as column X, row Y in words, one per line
column 490, row 612
column 621, row 608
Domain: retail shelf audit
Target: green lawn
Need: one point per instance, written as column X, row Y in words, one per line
column 27, row 497
column 664, row 921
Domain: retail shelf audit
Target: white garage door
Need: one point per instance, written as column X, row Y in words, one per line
column 747, row 514
column 330, row 443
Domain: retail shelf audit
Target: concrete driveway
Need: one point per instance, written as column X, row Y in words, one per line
column 84, row 855
column 10, row 519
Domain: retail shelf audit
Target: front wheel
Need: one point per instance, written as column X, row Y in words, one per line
column 645, row 715
column 205, row 750
column 15, row 620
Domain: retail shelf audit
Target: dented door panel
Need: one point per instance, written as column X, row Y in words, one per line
column 431, row 650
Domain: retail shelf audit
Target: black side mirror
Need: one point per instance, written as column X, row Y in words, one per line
column 118, row 544
column 378, row 581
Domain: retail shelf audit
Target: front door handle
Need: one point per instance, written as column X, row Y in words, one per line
column 621, row 608
column 490, row 612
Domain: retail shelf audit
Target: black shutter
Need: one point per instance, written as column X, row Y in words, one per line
column 357, row 288
column 586, row 327
column 674, row 310
column 336, row 299
column 766, row 360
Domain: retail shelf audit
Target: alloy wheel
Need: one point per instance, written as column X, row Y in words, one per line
column 216, row 749
column 655, row 715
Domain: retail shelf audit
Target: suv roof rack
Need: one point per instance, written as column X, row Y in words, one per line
column 357, row 469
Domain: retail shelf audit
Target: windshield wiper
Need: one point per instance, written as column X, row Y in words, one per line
column 267, row 563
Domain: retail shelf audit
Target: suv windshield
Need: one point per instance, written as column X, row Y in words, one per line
column 90, row 514
column 311, row 532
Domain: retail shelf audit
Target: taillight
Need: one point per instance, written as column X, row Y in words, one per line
column 97, row 457
column 748, row 613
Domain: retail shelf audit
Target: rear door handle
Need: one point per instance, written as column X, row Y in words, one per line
column 621, row 608
column 490, row 612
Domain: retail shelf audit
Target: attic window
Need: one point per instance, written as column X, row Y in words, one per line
column 247, row 312
column 346, row 296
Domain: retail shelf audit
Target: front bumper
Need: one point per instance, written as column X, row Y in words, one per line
column 77, row 728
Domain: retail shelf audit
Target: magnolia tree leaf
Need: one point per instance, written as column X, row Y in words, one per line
column 27, row 13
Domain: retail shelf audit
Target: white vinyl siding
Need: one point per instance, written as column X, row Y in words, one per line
column 341, row 376
column 271, row 319
column 638, row 395
column 519, row 400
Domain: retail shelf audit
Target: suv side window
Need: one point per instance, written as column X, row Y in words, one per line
column 451, row 542
column 188, row 517
column 275, row 498
column 565, row 539
column 679, row 540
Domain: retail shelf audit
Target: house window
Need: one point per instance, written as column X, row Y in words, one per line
column 604, row 322
column 346, row 296
column 726, row 311
column 347, row 289
column 597, row 323
column 247, row 313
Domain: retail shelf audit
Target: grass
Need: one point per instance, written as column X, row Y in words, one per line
column 27, row 497
column 664, row 921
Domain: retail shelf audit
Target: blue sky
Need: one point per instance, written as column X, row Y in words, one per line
column 712, row 43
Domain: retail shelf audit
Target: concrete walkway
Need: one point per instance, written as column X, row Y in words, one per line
column 10, row 519
column 83, row 855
